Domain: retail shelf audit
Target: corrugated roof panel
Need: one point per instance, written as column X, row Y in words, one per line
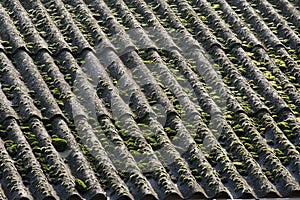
column 162, row 99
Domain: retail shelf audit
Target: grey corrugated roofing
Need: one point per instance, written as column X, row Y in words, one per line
column 162, row 99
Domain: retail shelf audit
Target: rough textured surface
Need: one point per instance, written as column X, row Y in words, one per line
column 149, row 99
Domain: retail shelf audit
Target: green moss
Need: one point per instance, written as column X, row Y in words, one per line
column 170, row 132
column 142, row 125
column 59, row 144
column 238, row 165
column 11, row 147
column 228, row 117
column 269, row 75
column 3, row 133
column 12, row 150
column 80, row 185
